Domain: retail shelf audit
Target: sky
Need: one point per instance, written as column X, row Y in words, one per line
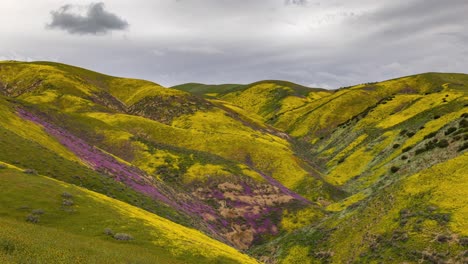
column 328, row 43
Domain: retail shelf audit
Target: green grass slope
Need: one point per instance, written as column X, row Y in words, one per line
column 48, row 221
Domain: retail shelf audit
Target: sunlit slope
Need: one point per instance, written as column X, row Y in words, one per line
column 359, row 132
column 175, row 151
column 417, row 218
column 267, row 99
column 404, row 162
column 28, row 145
column 401, row 134
column 86, row 101
column 48, row 221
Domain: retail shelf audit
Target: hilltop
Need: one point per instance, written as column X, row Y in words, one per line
column 282, row 172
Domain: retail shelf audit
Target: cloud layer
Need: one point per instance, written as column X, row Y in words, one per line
column 328, row 44
column 96, row 20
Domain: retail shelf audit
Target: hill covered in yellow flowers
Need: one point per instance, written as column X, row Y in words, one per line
column 375, row 172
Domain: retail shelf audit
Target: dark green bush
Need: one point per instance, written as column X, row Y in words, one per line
column 443, row 143
column 404, row 157
column 430, row 135
column 463, row 241
column 463, row 147
column 450, row 130
column 419, row 151
column 410, row 134
column 463, row 123
column 394, row 169
column 407, row 149
column 395, row 146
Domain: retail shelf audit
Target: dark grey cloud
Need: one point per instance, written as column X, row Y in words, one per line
column 96, row 20
column 415, row 17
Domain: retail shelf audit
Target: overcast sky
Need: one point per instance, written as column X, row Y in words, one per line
column 328, row 43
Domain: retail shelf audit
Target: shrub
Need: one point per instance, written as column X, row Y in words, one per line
column 109, row 232
column 67, row 195
column 67, row 202
column 450, row 130
column 37, row 212
column 407, row 149
column 403, row 132
column 396, row 146
column 430, row 135
column 324, row 255
column 404, row 157
column 443, row 238
column 32, row 218
column 464, row 115
column 464, row 123
column 443, row 143
column 394, row 169
column 30, row 171
column 420, row 150
column 341, row 160
column 463, row 147
column 123, row 237
column 436, row 116
column 463, row 241
column 410, row 134
column 7, row 246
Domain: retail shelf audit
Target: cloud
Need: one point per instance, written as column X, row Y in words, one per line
column 96, row 20
column 325, row 43
column 205, row 50
column 296, row 2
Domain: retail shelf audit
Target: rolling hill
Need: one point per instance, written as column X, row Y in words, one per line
column 375, row 172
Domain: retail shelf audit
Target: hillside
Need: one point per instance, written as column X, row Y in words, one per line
column 397, row 147
column 70, row 224
column 375, row 172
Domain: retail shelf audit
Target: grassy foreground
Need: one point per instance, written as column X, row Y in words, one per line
column 48, row 221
